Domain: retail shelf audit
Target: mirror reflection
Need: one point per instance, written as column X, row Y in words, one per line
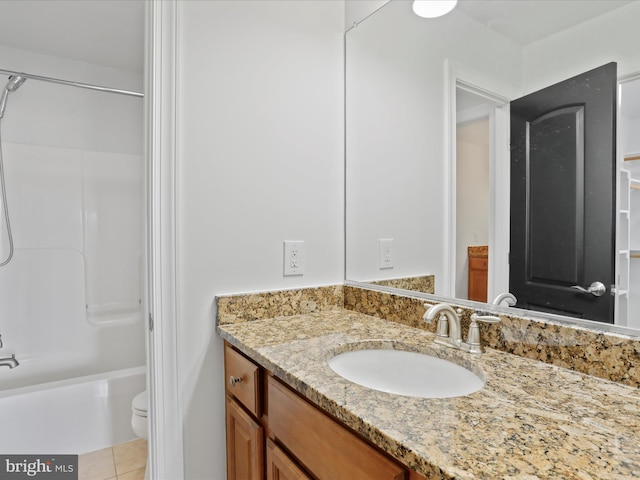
column 428, row 131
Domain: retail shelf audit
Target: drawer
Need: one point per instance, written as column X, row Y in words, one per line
column 321, row 444
column 242, row 379
column 478, row 263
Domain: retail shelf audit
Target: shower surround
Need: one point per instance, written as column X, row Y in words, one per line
column 72, row 297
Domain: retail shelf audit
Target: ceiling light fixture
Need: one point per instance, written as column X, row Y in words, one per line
column 433, row 8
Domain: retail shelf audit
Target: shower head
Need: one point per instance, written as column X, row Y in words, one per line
column 12, row 85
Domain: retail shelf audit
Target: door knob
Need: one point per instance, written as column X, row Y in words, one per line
column 597, row 289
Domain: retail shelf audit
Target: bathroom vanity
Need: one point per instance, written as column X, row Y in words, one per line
column 289, row 415
column 266, row 419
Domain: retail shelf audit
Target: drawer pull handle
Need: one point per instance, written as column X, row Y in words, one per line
column 233, row 381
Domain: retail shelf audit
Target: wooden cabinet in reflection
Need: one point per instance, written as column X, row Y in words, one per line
column 478, row 268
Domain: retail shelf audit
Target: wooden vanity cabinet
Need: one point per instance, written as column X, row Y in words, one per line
column 245, row 432
column 273, row 433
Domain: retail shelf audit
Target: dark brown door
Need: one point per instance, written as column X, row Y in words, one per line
column 563, row 173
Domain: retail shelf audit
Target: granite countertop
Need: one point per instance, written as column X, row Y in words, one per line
column 531, row 420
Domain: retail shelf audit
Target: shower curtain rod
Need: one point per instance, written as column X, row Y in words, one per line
column 74, row 84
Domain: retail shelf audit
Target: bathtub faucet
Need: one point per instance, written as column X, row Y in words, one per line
column 10, row 362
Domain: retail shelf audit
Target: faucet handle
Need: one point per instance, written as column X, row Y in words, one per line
column 473, row 337
column 484, row 317
column 0, row 341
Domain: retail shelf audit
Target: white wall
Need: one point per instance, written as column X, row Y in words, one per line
column 74, row 180
column 630, row 131
column 396, row 184
column 613, row 37
column 260, row 161
column 358, row 10
column 629, row 119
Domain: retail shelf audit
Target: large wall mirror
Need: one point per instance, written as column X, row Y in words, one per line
column 428, row 159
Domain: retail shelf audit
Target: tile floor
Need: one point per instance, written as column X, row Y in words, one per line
column 126, row 461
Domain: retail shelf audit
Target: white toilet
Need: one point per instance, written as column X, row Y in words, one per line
column 139, row 407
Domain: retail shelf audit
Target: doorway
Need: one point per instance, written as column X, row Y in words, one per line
column 628, row 218
column 472, row 195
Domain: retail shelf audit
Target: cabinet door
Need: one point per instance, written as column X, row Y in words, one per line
column 280, row 466
column 245, row 445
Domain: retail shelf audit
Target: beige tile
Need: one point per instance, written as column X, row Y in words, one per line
column 98, row 465
column 130, row 456
column 135, row 475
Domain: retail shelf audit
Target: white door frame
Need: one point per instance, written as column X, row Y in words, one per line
column 499, row 92
column 628, row 70
column 166, row 459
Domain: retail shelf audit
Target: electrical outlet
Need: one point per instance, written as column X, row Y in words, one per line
column 386, row 253
column 293, row 258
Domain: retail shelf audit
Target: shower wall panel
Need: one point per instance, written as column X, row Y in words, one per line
column 112, row 227
column 70, row 300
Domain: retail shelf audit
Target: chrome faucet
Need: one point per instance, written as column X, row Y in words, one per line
column 10, row 362
column 448, row 324
column 507, row 297
column 449, row 331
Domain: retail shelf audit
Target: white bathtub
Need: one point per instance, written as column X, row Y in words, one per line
column 72, row 416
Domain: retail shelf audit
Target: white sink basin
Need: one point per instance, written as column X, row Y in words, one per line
column 406, row 373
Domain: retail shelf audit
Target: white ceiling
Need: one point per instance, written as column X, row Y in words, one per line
column 111, row 32
column 103, row 32
column 526, row 21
